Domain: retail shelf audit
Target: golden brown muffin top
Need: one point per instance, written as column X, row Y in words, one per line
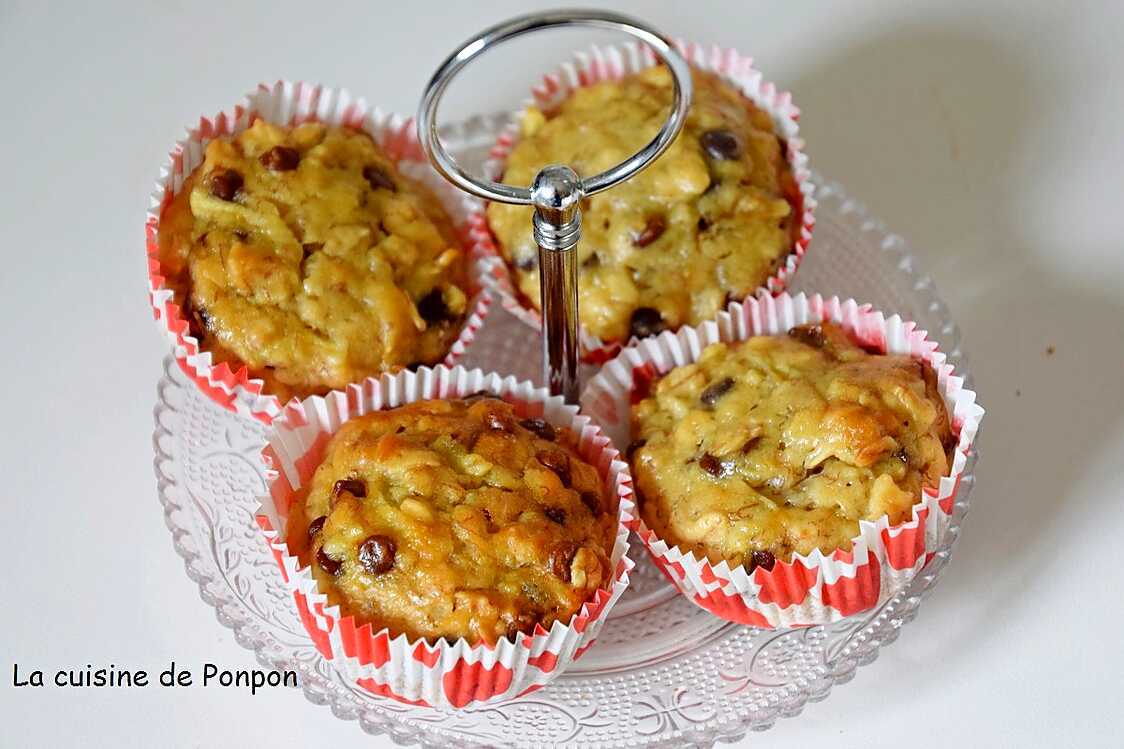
column 304, row 253
column 708, row 221
column 455, row 519
column 782, row 444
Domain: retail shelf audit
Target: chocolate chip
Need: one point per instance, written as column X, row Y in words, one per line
column 316, row 525
column 653, row 230
column 645, row 322
column 561, row 559
column 592, row 500
column 354, row 487
column 376, row 554
column 432, row 307
column 714, row 466
column 557, row 514
column 377, row 178
column 716, row 390
column 633, row 447
column 809, row 335
column 540, row 427
column 226, row 184
column 703, row 224
column 762, row 559
column 329, row 565
column 280, row 159
column 528, row 263
column 201, row 321
column 559, row 462
column 721, row 144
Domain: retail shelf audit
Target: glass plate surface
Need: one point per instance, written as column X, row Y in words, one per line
column 663, row 673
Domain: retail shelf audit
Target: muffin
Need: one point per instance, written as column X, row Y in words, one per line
column 455, row 519
column 778, row 445
column 469, row 509
column 711, row 220
column 304, row 254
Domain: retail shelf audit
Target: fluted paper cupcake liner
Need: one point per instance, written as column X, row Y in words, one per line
column 612, row 63
column 415, row 671
column 816, row 588
column 286, row 103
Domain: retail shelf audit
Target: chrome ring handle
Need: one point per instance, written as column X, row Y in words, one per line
column 557, row 190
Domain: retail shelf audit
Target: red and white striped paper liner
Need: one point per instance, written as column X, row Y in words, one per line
column 613, row 63
column 287, row 103
column 816, row 588
column 414, row 671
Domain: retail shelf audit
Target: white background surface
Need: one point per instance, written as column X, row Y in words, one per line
column 989, row 134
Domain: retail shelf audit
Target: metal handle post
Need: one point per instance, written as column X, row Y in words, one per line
column 557, row 190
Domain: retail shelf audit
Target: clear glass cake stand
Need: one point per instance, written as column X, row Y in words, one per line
column 663, row 673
